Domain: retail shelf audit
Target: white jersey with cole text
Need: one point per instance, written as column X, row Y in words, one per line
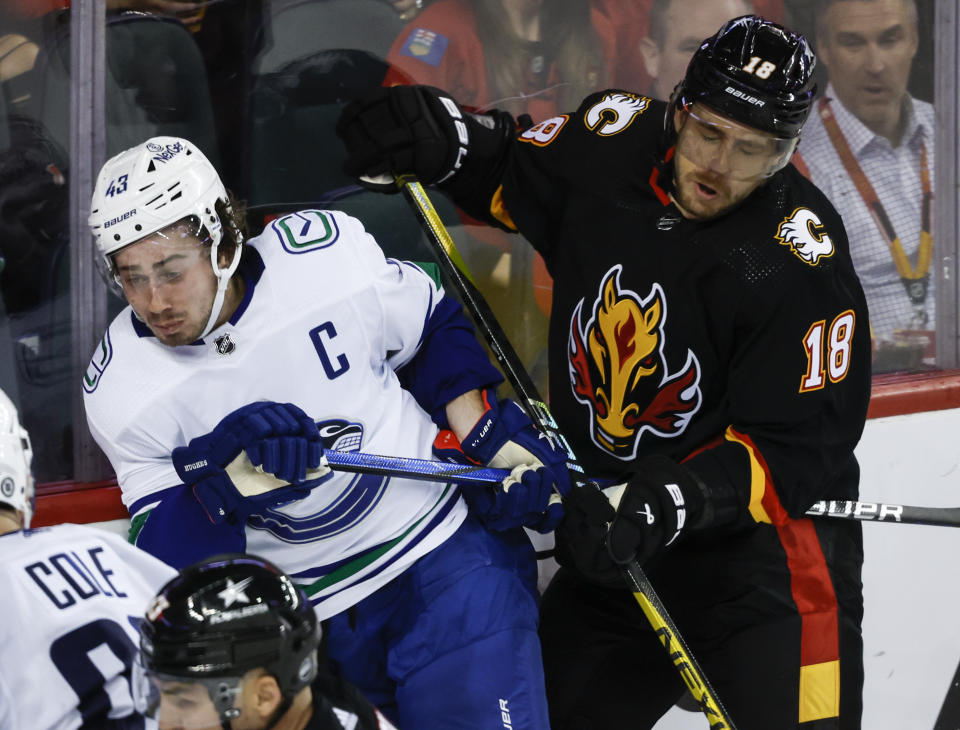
column 325, row 321
column 70, row 597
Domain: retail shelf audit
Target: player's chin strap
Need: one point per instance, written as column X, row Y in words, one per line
column 223, row 281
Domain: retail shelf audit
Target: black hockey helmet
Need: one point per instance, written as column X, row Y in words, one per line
column 755, row 72
column 224, row 616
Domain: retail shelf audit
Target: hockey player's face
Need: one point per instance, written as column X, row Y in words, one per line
column 186, row 706
column 718, row 162
column 168, row 280
column 180, row 704
column 868, row 48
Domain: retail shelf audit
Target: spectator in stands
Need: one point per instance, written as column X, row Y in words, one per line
column 630, row 21
column 17, row 56
column 524, row 56
column 407, row 9
column 869, row 147
column 677, row 28
column 633, row 22
column 188, row 11
column 34, row 225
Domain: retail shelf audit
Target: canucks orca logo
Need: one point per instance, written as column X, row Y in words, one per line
column 614, row 113
column 618, row 369
column 356, row 499
column 98, row 364
column 341, row 435
column 804, row 233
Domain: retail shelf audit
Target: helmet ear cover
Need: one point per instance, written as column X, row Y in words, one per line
column 755, row 72
column 16, row 457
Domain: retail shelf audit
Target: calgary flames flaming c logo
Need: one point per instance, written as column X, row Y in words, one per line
column 617, row 369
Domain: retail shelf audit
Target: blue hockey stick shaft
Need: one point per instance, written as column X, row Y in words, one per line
column 409, row 468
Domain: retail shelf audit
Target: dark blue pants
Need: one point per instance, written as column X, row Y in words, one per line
column 452, row 643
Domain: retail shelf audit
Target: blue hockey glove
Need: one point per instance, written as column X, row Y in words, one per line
column 505, row 438
column 277, row 438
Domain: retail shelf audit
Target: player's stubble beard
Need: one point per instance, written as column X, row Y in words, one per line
column 193, row 324
column 729, row 194
column 179, row 337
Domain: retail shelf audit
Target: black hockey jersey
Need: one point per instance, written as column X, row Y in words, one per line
column 739, row 344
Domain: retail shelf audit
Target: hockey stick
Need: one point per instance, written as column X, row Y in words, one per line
column 409, row 468
column 251, row 480
column 903, row 514
column 470, row 475
column 428, row 470
column 523, row 385
column 949, row 716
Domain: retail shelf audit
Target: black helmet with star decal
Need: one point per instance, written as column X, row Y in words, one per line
column 220, row 618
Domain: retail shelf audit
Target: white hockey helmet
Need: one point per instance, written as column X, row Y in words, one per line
column 156, row 184
column 16, row 455
column 151, row 186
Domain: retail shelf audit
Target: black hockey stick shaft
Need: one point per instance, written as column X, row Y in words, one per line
column 536, row 407
column 885, row 512
column 949, row 717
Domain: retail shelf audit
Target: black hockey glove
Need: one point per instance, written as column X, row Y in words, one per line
column 582, row 533
column 418, row 130
column 653, row 509
column 657, row 505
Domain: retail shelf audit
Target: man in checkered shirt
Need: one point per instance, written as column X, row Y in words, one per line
column 867, row 142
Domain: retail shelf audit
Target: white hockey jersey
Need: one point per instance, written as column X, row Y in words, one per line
column 325, row 321
column 67, row 639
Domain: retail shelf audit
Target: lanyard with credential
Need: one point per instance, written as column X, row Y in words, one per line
column 915, row 280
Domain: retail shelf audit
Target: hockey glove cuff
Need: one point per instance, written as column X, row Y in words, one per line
column 505, row 438
column 226, row 497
